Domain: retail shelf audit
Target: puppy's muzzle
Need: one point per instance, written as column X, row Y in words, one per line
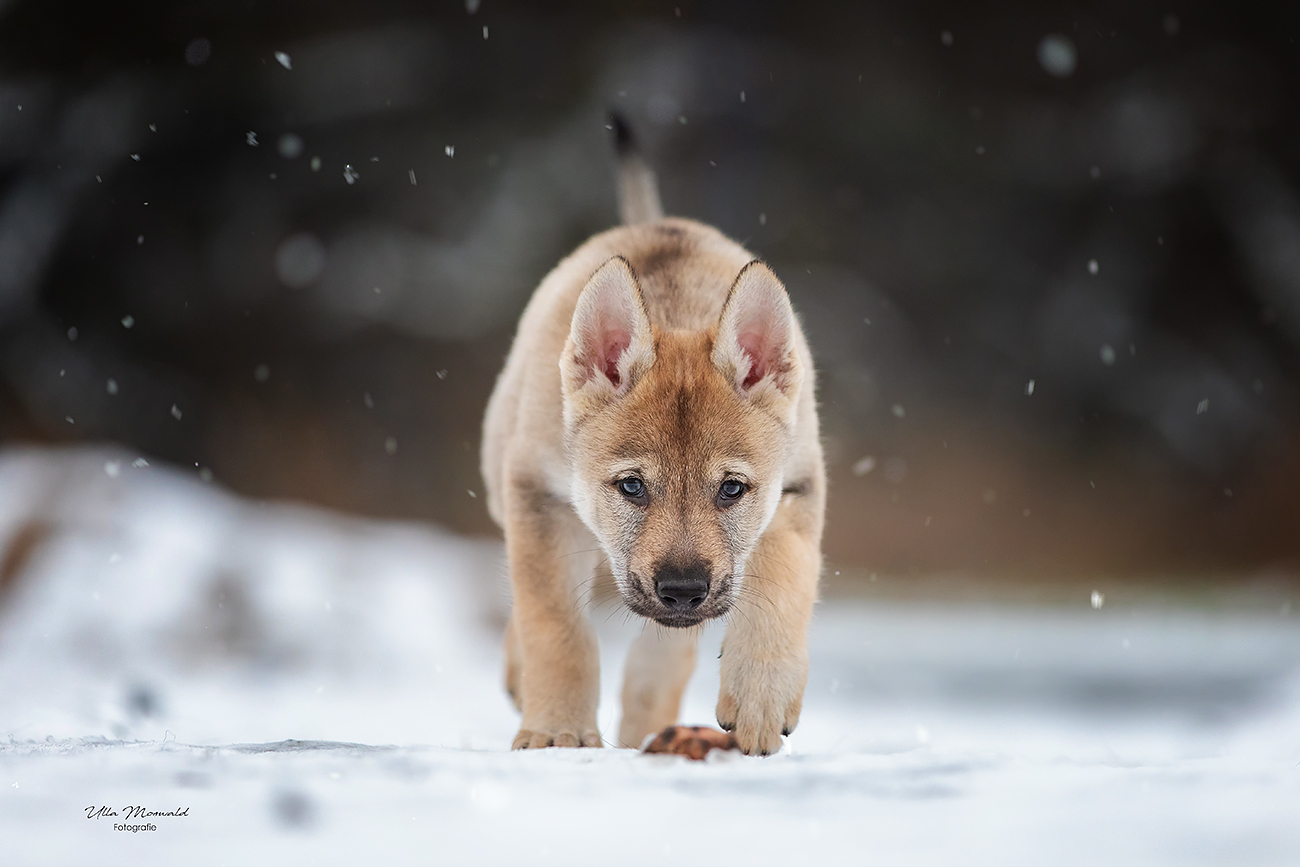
column 682, row 589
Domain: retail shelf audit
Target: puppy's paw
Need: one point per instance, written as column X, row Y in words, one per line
column 758, row 703
column 532, row 740
column 694, row 742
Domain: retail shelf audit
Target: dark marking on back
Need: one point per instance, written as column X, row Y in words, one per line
column 660, row 263
column 661, row 259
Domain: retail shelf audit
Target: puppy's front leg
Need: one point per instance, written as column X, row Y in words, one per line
column 658, row 669
column 558, row 665
column 765, row 651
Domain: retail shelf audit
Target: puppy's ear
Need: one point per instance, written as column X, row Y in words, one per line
column 755, row 344
column 610, row 343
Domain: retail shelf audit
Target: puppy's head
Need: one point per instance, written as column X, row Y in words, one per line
column 678, row 439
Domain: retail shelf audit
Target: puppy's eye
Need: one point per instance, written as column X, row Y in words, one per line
column 631, row 487
column 730, row 491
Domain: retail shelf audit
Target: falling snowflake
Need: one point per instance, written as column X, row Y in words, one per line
column 1057, row 55
column 198, row 52
column 289, row 145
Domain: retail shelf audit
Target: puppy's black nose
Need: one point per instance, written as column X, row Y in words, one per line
column 682, row 588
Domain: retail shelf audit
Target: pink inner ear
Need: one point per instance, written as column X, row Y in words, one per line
column 616, row 341
column 755, row 348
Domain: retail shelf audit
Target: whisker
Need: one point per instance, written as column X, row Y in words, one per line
column 588, row 589
column 613, row 611
column 749, row 592
column 754, row 595
column 583, row 551
column 746, row 587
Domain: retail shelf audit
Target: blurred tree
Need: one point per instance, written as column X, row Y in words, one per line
column 1048, row 254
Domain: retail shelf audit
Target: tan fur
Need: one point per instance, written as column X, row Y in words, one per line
column 638, row 192
column 658, row 668
column 682, row 411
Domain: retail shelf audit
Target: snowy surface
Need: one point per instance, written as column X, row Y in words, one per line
column 322, row 689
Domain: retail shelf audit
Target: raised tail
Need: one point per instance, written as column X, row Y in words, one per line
column 638, row 189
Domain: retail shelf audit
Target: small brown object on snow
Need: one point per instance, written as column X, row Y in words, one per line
column 694, row 742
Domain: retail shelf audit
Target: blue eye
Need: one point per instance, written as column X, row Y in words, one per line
column 631, row 487
column 731, row 490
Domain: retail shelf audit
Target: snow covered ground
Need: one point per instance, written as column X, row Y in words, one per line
column 313, row 688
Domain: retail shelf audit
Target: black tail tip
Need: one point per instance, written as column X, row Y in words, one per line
column 624, row 141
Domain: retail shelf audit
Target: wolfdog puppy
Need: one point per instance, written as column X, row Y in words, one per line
column 656, row 420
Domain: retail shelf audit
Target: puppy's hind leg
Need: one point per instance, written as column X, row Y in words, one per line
column 658, row 668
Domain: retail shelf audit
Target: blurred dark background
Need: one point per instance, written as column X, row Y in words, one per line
column 1047, row 254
